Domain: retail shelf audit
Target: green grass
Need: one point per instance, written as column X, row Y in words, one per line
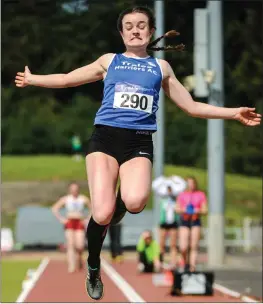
column 42, row 168
column 13, row 272
column 243, row 194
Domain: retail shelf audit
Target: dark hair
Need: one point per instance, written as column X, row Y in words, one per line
column 148, row 12
column 73, row 183
column 137, row 9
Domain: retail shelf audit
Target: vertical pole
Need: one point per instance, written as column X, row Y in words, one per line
column 216, row 167
column 159, row 135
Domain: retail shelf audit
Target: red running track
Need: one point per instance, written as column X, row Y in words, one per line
column 144, row 287
column 56, row 285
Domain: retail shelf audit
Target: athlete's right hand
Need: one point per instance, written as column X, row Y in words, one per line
column 63, row 221
column 22, row 78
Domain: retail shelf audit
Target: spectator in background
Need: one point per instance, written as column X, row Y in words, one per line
column 76, row 147
column 74, row 224
column 149, row 253
column 115, row 242
column 191, row 204
column 169, row 223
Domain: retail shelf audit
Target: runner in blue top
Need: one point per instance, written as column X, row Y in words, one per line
column 121, row 144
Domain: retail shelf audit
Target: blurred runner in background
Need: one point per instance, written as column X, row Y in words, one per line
column 191, row 204
column 169, row 223
column 74, row 223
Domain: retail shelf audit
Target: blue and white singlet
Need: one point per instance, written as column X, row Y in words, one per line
column 131, row 93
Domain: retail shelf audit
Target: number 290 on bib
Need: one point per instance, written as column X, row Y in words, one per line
column 133, row 101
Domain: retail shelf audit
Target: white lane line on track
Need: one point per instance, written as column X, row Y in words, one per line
column 42, row 266
column 133, row 296
column 233, row 293
column 121, row 283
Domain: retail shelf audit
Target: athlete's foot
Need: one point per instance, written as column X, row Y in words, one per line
column 71, row 269
column 119, row 259
column 192, row 268
column 94, row 285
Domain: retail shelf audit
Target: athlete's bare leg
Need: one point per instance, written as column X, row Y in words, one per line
column 102, row 171
column 136, row 180
column 69, row 234
column 79, row 246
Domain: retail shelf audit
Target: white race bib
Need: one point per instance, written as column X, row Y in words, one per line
column 133, row 98
column 193, row 283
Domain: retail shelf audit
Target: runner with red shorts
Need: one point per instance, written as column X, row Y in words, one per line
column 74, row 224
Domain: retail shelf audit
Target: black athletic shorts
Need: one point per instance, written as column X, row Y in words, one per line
column 122, row 144
column 165, row 226
column 189, row 224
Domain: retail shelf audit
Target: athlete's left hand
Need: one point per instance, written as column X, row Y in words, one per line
column 248, row 116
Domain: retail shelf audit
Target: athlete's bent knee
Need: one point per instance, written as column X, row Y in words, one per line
column 183, row 250
column 136, row 211
column 135, row 208
column 135, row 203
column 79, row 249
column 102, row 217
column 70, row 245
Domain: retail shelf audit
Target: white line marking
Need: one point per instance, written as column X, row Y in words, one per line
column 234, row 294
column 21, row 298
column 121, row 283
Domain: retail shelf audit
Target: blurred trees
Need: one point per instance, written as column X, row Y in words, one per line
column 59, row 36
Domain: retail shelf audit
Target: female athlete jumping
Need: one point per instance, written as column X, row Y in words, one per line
column 121, row 144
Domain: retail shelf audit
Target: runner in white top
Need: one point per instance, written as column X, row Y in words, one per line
column 74, row 223
column 169, row 223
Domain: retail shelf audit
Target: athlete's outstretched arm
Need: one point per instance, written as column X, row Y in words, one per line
column 178, row 94
column 86, row 74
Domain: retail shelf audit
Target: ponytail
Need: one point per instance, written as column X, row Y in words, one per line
column 152, row 46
